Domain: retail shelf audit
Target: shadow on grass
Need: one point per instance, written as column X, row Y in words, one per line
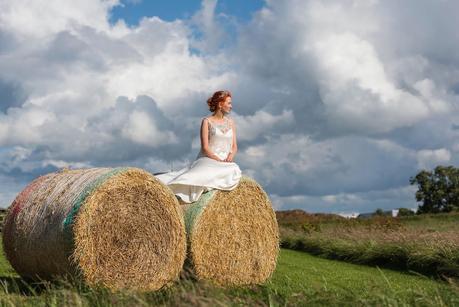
column 18, row 285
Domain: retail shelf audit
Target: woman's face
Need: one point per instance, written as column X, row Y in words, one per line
column 226, row 105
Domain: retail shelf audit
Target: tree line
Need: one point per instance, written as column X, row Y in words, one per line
column 438, row 190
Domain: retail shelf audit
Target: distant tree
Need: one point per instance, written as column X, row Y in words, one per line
column 379, row 211
column 405, row 212
column 438, row 190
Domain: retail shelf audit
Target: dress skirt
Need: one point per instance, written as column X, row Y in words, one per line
column 202, row 175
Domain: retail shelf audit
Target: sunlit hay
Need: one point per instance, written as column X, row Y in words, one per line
column 120, row 228
column 233, row 237
column 148, row 246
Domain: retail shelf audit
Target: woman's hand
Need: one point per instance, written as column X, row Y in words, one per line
column 229, row 158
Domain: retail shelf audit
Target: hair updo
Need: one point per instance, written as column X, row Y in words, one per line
column 216, row 98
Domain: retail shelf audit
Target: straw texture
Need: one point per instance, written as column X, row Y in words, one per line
column 233, row 237
column 119, row 228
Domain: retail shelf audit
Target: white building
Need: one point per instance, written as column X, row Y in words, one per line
column 352, row 215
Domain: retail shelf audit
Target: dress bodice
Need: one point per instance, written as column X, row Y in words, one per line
column 220, row 138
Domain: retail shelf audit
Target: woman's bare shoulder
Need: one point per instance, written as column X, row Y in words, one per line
column 205, row 121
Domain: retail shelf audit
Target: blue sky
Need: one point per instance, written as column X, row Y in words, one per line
column 337, row 103
column 132, row 11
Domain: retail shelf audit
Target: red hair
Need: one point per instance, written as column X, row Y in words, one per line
column 216, row 98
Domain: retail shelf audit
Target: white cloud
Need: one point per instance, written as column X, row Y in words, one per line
column 205, row 20
column 294, row 164
column 428, row 89
column 428, row 159
column 363, row 202
column 22, row 126
column 81, row 69
column 355, row 89
column 347, row 65
column 261, row 123
column 335, row 115
column 141, row 129
column 38, row 19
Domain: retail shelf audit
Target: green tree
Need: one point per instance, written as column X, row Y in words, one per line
column 438, row 190
column 405, row 212
column 379, row 211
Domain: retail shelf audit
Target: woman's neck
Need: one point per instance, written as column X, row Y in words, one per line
column 219, row 114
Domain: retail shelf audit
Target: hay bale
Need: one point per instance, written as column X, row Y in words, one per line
column 119, row 228
column 233, row 237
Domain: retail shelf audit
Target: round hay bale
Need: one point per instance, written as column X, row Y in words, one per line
column 233, row 237
column 118, row 228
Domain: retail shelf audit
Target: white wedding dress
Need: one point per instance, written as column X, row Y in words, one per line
column 204, row 173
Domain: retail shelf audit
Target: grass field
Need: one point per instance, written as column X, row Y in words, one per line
column 428, row 244
column 299, row 279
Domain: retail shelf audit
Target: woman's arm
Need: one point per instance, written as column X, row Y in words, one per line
column 234, row 145
column 205, row 141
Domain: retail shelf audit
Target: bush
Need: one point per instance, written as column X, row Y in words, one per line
column 309, row 227
column 405, row 212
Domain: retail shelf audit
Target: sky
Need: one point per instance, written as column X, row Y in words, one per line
column 337, row 103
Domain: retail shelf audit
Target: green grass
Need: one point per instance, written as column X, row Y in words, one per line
column 330, row 281
column 428, row 244
column 435, row 222
column 299, row 279
column 5, row 268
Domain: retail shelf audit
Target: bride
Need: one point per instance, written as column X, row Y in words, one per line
column 214, row 167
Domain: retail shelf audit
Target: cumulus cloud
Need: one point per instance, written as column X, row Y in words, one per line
column 79, row 91
column 356, row 91
column 341, row 54
column 335, row 115
column 428, row 159
column 250, row 127
column 205, row 21
column 32, row 19
column 363, row 202
column 295, row 165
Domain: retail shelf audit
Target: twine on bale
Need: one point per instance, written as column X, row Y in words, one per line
column 233, row 237
column 120, row 228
